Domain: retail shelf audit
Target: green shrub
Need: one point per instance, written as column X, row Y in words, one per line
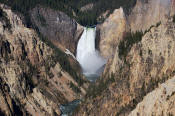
column 3, row 17
column 132, row 38
column 174, row 18
column 148, row 30
column 60, row 57
column 51, row 75
column 74, row 88
column 95, row 90
column 87, row 18
column 129, row 40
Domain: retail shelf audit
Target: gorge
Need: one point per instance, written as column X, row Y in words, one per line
column 53, row 63
column 91, row 62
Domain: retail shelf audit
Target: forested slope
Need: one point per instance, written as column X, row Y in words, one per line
column 72, row 8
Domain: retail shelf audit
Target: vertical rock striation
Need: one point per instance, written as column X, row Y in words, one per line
column 60, row 29
column 111, row 32
column 159, row 102
column 149, row 12
column 34, row 79
column 128, row 78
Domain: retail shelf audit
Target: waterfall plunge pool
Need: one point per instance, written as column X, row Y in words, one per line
column 92, row 64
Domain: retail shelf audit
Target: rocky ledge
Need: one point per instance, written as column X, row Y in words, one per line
column 35, row 78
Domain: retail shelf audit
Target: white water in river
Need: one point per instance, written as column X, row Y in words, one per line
column 88, row 57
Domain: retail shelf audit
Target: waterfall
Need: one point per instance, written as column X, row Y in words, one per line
column 88, row 57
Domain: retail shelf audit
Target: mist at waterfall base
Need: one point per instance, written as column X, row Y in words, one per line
column 89, row 58
column 91, row 63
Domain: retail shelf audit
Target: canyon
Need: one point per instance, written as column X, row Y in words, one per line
column 34, row 79
column 138, row 66
column 44, row 68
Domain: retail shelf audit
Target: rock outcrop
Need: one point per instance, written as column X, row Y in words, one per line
column 159, row 102
column 134, row 71
column 111, row 32
column 138, row 61
column 60, row 29
column 145, row 14
column 149, row 12
column 34, row 78
column 87, row 7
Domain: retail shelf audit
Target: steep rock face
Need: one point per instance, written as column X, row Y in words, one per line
column 150, row 12
column 111, row 32
column 159, row 102
column 32, row 80
column 87, row 7
column 60, row 29
column 129, row 78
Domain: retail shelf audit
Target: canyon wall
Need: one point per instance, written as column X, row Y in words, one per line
column 149, row 12
column 34, row 77
column 60, row 29
column 139, row 64
column 111, row 32
column 161, row 101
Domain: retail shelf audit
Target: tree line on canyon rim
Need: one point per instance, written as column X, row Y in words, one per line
column 58, row 55
column 87, row 18
column 72, row 8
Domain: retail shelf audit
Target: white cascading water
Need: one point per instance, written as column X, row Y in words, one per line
column 88, row 57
